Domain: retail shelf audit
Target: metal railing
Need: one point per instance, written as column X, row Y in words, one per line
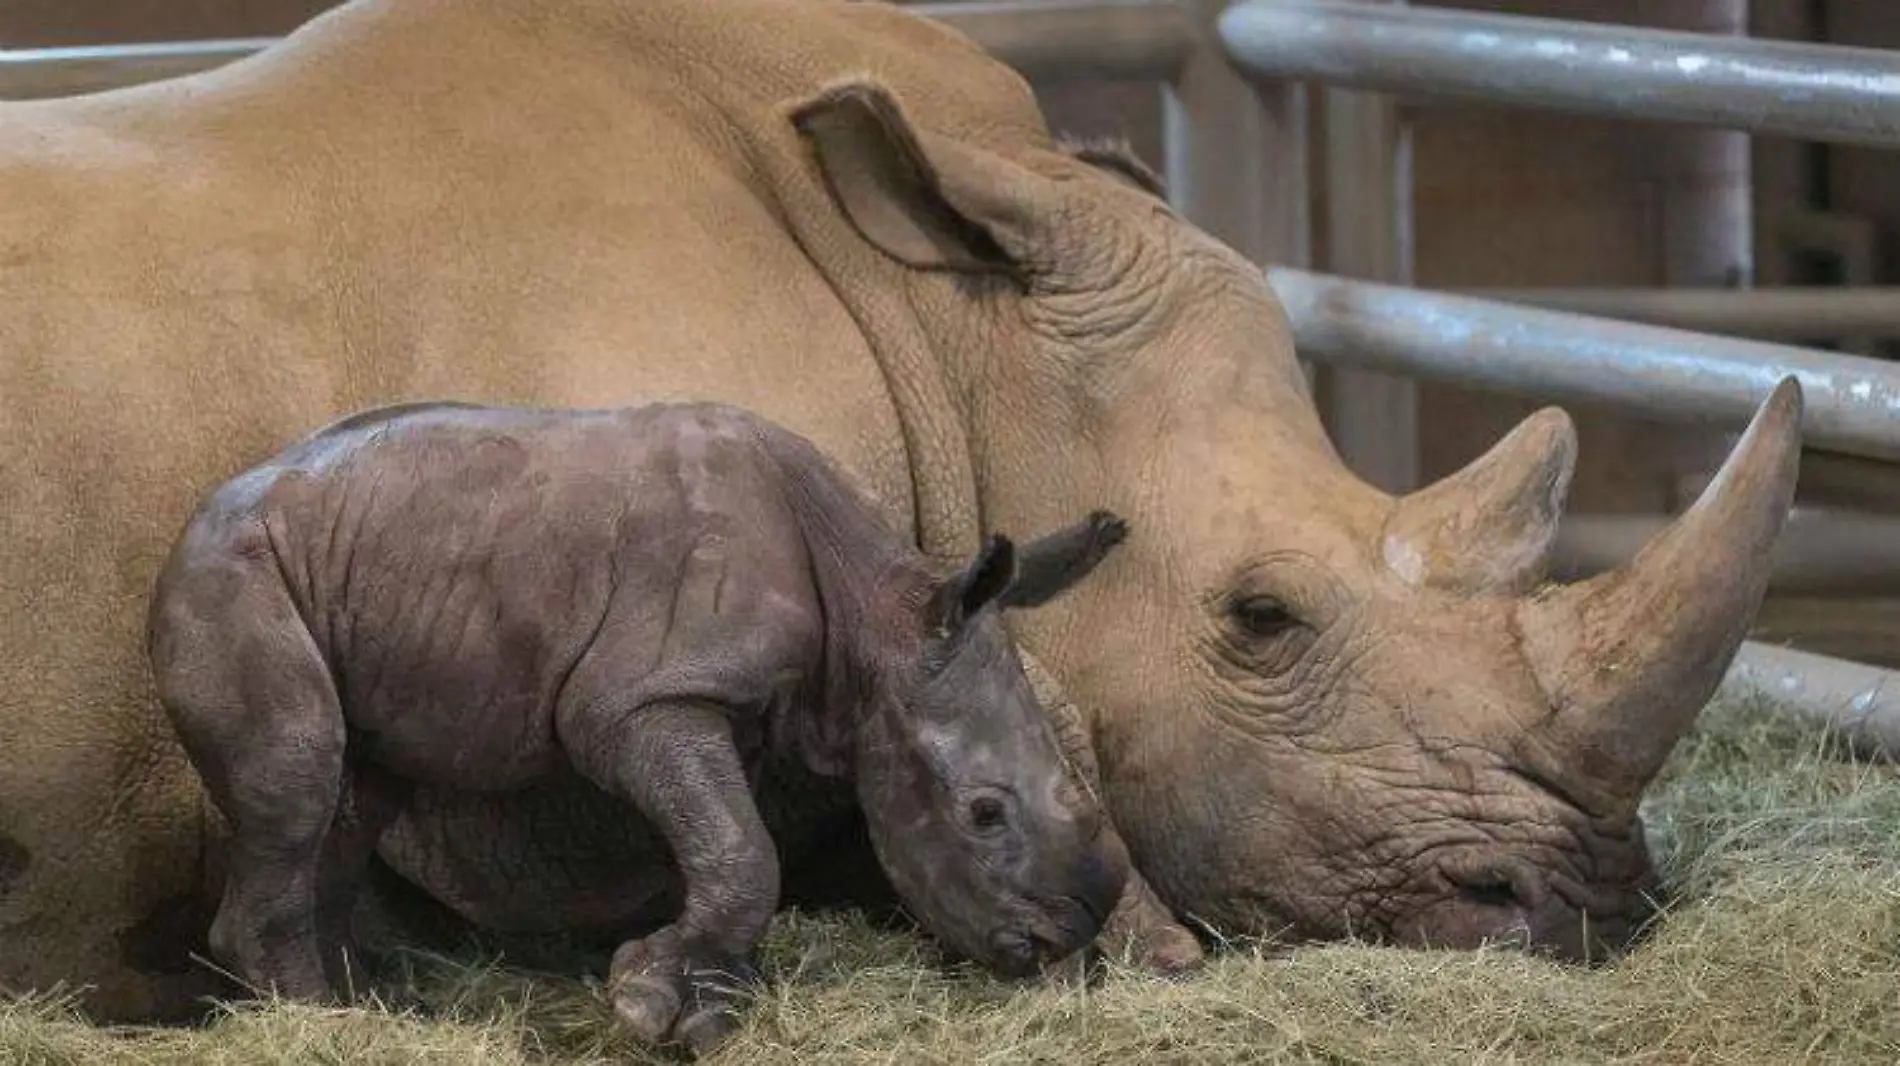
column 1790, row 313
column 1853, row 403
column 1812, row 91
column 1860, row 703
column 1235, row 72
column 1822, row 553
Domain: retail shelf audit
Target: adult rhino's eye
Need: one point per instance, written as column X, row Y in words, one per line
column 1261, row 616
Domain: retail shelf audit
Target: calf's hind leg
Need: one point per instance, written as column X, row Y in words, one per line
column 370, row 801
column 254, row 706
column 676, row 763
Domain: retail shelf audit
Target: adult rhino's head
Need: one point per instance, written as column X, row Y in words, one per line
column 1319, row 709
column 972, row 811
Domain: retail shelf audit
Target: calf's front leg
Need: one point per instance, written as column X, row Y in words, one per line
column 676, row 763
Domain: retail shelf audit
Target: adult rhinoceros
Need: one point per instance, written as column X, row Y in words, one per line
column 1316, row 707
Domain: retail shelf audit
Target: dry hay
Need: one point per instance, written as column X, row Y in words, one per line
column 1783, row 947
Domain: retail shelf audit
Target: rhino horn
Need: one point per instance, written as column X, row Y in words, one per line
column 1629, row 657
column 1488, row 528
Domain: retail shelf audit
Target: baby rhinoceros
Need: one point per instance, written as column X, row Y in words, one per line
column 673, row 601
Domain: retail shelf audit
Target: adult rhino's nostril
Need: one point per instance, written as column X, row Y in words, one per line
column 1490, row 888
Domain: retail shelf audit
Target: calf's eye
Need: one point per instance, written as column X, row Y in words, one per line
column 988, row 814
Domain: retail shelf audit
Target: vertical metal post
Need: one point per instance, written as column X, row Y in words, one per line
column 1236, row 155
column 1707, row 209
column 1368, row 222
column 1708, row 223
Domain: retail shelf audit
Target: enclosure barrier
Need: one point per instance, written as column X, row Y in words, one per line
column 1852, row 403
column 1812, row 91
column 1821, row 553
column 1052, row 41
column 1794, row 313
column 1860, row 703
column 1253, row 194
column 30, row 73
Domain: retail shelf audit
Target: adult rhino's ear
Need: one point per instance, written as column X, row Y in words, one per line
column 1053, row 564
column 928, row 201
column 986, row 578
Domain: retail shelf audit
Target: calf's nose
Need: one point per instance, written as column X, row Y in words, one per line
column 1102, row 875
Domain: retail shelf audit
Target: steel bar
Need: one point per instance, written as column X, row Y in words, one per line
column 1077, row 40
column 1798, row 89
column 1861, row 702
column 1367, row 154
column 1803, row 313
column 1236, row 154
column 1853, row 403
column 1046, row 40
column 1821, row 552
column 29, row 73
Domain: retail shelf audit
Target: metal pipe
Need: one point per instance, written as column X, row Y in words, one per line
column 1853, row 403
column 1821, row 552
column 1236, row 154
column 1861, row 702
column 1046, row 40
column 1051, row 41
column 1792, row 313
column 1811, row 91
column 30, row 73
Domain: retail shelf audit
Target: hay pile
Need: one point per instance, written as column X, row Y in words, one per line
column 1784, row 948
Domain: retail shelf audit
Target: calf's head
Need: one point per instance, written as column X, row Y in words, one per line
column 1319, row 709
column 970, row 807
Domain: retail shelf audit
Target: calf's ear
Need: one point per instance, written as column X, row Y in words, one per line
column 929, row 201
column 986, row 578
column 1051, row 565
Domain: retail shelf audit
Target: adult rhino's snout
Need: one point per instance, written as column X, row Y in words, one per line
column 1518, row 905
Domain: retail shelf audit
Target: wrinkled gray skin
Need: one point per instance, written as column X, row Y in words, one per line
column 684, row 606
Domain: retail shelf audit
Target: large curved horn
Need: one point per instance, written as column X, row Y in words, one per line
column 1630, row 657
column 1489, row 527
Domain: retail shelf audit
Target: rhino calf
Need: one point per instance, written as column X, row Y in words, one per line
column 684, row 604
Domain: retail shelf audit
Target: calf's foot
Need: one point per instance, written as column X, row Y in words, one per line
column 672, row 988
column 676, row 762
column 268, row 941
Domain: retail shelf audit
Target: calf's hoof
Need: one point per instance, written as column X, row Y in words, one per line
column 292, row 971
column 670, row 991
